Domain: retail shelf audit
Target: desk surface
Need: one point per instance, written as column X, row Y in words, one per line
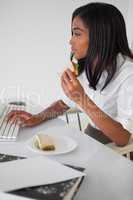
column 109, row 175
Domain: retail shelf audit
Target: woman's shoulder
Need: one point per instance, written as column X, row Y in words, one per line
column 123, row 75
column 128, row 63
column 126, row 69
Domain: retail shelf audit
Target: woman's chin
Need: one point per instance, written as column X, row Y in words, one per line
column 77, row 57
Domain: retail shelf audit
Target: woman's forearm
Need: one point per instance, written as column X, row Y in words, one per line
column 111, row 128
column 54, row 110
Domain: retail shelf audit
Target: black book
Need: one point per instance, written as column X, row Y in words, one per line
column 65, row 190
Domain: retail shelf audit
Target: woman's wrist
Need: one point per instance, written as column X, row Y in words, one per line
column 40, row 117
column 32, row 121
column 84, row 101
column 54, row 110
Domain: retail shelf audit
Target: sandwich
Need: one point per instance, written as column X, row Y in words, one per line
column 75, row 65
column 44, row 142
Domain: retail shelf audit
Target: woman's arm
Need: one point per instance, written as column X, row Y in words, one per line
column 54, row 110
column 28, row 120
column 111, row 128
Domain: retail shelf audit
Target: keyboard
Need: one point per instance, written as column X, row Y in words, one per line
column 9, row 130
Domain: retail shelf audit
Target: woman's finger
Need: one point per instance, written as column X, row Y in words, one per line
column 68, row 83
column 64, row 87
column 11, row 114
column 20, row 114
column 13, row 119
column 70, row 75
column 66, row 78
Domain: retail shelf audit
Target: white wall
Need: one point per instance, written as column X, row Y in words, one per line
column 34, row 47
column 129, row 22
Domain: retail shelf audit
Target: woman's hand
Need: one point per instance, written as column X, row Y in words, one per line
column 28, row 120
column 25, row 119
column 72, row 87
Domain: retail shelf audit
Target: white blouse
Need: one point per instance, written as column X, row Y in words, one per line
column 116, row 100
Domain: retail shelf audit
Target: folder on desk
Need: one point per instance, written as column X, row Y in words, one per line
column 43, row 178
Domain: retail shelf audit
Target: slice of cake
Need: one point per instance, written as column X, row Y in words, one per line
column 44, row 142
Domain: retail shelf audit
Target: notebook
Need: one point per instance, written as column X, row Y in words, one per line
column 65, row 190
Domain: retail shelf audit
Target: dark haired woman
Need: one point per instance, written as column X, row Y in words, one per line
column 105, row 94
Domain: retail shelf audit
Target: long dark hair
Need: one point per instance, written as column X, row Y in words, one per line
column 107, row 38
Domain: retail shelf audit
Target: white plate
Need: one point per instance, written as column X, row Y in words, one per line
column 63, row 144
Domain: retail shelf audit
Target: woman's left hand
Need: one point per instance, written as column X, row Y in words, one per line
column 72, row 87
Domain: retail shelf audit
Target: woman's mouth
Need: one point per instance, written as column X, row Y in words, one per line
column 73, row 50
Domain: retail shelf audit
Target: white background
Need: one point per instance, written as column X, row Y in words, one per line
column 34, row 46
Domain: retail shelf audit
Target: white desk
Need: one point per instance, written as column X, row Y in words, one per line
column 109, row 175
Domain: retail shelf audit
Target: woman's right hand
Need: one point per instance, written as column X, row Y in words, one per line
column 25, row 119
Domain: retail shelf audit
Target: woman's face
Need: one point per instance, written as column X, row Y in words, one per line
column 79, row 40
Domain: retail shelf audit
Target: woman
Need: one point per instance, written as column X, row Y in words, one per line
column 100, row 45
